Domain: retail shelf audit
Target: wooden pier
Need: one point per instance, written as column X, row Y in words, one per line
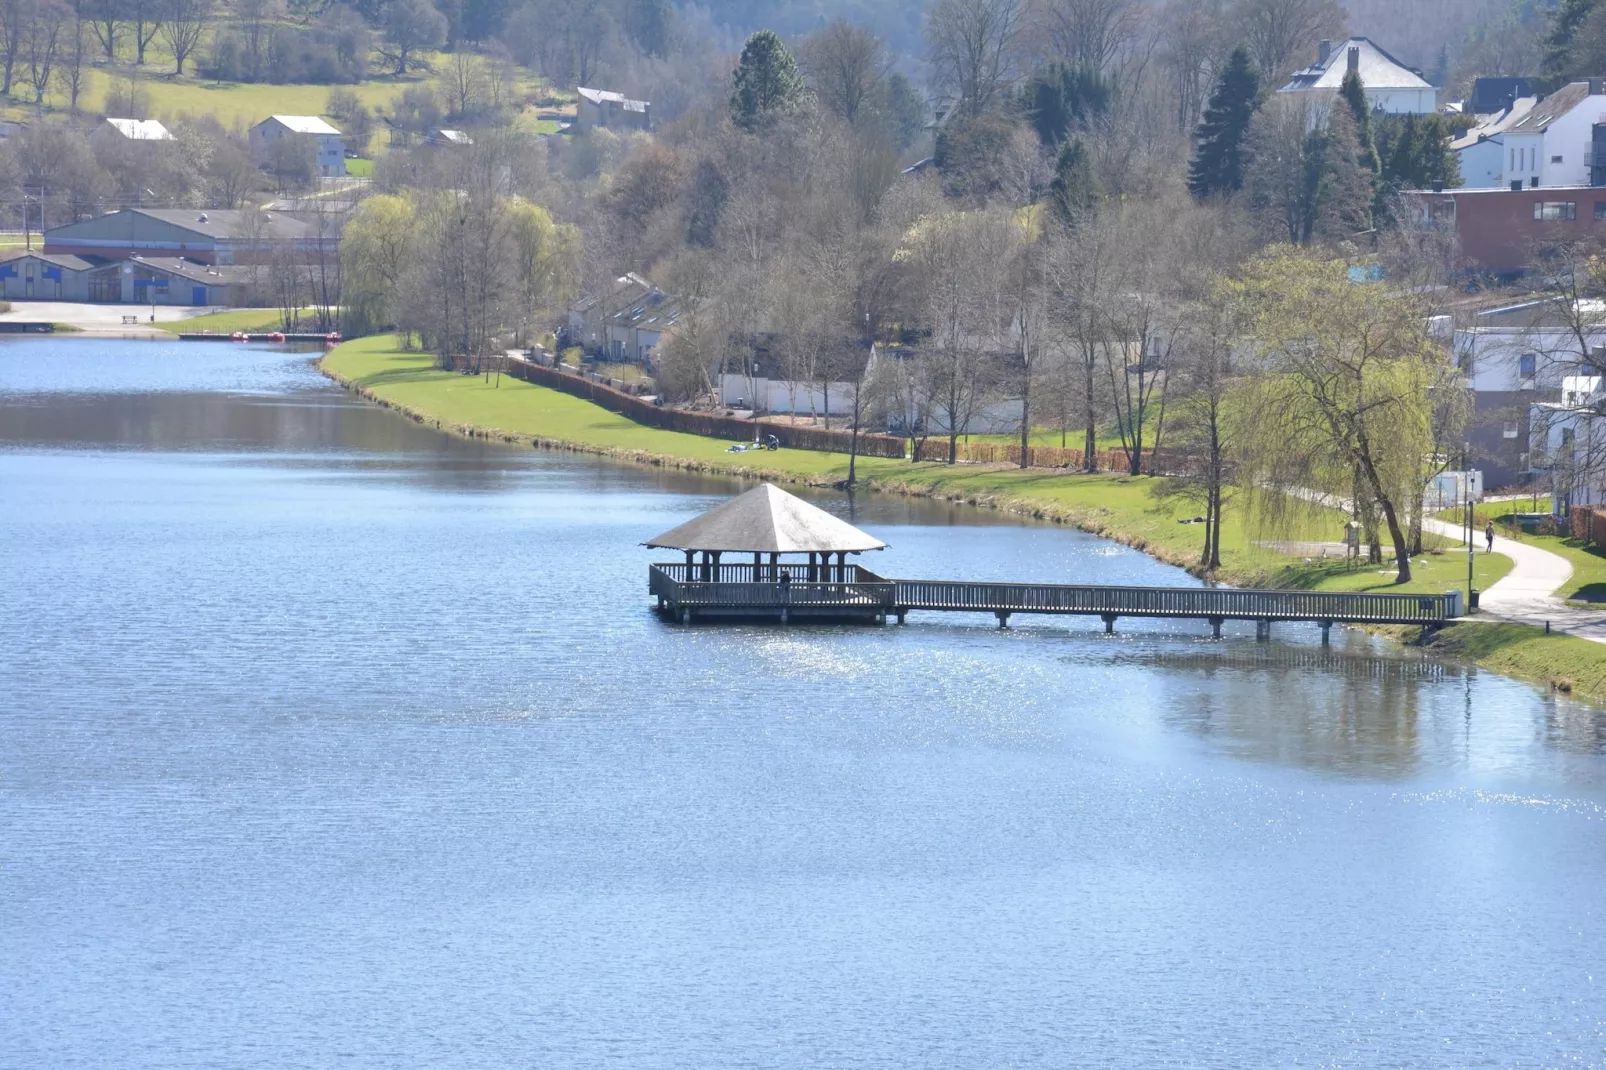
column 770, row 524
column 689, row 593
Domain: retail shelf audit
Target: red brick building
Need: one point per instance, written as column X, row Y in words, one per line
column 1503, row 231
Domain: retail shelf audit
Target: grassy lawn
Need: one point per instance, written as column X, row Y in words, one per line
column 250, row 320
column 1588, row 582
column 1561, row 661
column 360, row 168
column 1430, row 574
column 234, row 104
column 1495, row 511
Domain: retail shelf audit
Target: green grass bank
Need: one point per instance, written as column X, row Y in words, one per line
column 1126, row 509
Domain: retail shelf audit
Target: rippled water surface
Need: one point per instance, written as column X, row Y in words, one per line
column 326, row 740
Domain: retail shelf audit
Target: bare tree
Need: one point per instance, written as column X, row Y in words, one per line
column 407, row 28
column 145, row 18
column 16, row 18
column 847, row 67
column 1091, row 33
column 46, row 27
column 106, row 19
column 75, row 61
column 1278, row 33
column 974, row 48
column 183, row 22
column 1192, row 47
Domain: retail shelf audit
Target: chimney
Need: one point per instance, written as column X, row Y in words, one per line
column 1323, row 51
column 1354, row 59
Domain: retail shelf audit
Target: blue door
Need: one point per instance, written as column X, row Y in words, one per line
column 198, row 296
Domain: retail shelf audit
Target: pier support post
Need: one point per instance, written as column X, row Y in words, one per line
column 902, row 613
column 1215, row 627
column 783, row 617
column 1327, row 632
column 685, row 616
column 1262, row 631
column 1109, row 623
column 1003, row 618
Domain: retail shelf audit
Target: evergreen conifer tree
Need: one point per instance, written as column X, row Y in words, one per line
column 1565, row 21
column 1218, row 162
column 1075, row 189
column 1060, row 98
column 766, row 84
column 1353, row 93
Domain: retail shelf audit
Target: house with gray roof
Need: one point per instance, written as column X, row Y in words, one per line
column 596, row 109
column 1391, row 86
column 1555, row 143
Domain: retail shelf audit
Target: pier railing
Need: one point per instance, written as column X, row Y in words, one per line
column 1196, row 602
column 744, row 588
column 736, row 590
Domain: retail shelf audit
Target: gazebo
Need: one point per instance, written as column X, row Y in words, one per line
column 770, row 524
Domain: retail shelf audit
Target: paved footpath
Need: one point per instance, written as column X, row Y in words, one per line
column 1527, row 593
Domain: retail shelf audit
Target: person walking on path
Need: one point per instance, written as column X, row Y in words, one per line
column 1488, row 538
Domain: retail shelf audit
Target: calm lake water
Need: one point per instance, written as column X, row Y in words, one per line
column 329, row 741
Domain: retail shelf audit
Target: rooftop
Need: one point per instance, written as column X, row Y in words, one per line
column 72, row 263
column 1378, row 70
column 1497, row 123
column 140, row 129
column 302, row 124
column 767, row 519
column 1551, row 108
column 608, row 96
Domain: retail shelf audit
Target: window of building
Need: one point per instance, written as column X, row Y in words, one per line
column 1555, row 159
column 1509, row 429
column 1555, row 211
column 1533, row 183
column 1527, row 364
column 1600, row 209
column 1566, row 436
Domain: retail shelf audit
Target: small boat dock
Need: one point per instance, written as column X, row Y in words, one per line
column 770, row 524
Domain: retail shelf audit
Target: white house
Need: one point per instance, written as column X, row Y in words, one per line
column 1568, row 445
column 1391, row 86
column 117, row 131
column 1514, row 359
column 1553, row 145
column 1481, row 151
column 331, row 149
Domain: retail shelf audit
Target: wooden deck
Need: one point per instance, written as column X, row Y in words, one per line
column 698, row 592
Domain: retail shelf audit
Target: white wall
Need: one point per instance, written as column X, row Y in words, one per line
column 1404, row 101
column 1495, row 355
column 781, row 396
column 1483, row 166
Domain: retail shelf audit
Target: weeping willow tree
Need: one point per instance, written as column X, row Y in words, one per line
column 1345, row 399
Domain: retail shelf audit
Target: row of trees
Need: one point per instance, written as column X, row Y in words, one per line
column 464, row 262
column 61, row 175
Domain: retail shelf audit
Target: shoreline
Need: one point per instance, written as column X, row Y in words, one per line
column 1558, row 663
column 1021, row 507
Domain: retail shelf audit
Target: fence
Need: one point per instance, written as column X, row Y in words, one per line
column 700, row 423
column 734, row 429
column 1589, row 525
column 936, row 449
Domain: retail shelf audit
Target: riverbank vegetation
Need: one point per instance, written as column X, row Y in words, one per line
column 1150, row 513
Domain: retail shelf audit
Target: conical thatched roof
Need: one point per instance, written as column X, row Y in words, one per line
column 768, row 520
